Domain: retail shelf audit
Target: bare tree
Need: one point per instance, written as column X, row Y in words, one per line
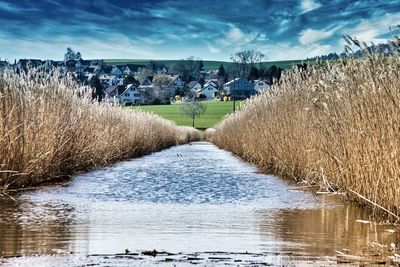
column 161, row 84
column 192, row 110
column 142, row 74
column 244, row 61
column 187, row 68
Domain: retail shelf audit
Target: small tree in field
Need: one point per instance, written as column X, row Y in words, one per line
column 192, row 110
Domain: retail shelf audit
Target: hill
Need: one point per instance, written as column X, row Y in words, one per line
column 208, row 64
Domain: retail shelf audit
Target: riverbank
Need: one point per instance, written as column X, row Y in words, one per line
column 51, row 128
column 334, row 125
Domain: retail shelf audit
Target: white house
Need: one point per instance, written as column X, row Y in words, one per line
column 209, row 91
column 260, row 85
column 132, row 95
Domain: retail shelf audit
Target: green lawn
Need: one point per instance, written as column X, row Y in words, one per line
column 216, row 110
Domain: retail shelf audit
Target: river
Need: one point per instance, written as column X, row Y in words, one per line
column 199, row 202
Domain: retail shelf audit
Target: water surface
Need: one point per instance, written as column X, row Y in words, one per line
column 190, row 198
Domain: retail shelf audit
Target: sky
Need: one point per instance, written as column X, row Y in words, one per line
column 206, row 29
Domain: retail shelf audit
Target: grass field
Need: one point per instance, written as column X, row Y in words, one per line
column 216, row 110
column 208, row 64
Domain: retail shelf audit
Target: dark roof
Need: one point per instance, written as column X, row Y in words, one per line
column 34, row 62
column 191, row 84
column 90, row 69
column 85, row 62
column 107, row 69
column 112, row 89
column 121, row 89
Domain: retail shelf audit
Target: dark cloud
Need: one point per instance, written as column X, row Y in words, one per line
column 208, row 29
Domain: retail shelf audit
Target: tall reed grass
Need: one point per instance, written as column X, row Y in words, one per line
column 50, row 127
column 335, row 125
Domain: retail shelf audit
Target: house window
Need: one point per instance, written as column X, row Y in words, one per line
column 127, row 94
column 133, row 89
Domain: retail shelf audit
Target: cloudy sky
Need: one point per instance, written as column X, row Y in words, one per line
column 172, row 29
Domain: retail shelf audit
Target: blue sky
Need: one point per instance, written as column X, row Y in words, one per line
column 172, row 29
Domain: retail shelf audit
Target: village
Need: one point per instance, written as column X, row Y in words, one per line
column 135, row 84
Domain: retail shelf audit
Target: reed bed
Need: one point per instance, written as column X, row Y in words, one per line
column 50, row 128
column 187, row 134
column 335, row 125
column 208, row 134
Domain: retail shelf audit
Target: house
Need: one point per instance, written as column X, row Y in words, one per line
column 116, row 71
column 212, row 74
column 24, row 64
column 50, row 64
column 131, row 96
column 96, row 70
column 148, row 81
column 209, row 91
column 114, row 91
column 79, row 66
column 261, row 84
column 126, row 70
column 204, row 74
column 105, row 70
column 176, row 83
column 89, row 76
column 162, row 72
column 110, row 80
column 193, row 86
column 239, row 87
column 213, row 82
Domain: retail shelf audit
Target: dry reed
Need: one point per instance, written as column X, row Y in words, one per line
column 335, row 125
column 50, row 127
column 186, row 134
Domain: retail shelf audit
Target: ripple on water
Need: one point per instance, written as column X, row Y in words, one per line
column 202, row 175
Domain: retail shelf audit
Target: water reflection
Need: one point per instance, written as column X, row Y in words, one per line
column 28, row 228
column 206, row 200
column 322, row 231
